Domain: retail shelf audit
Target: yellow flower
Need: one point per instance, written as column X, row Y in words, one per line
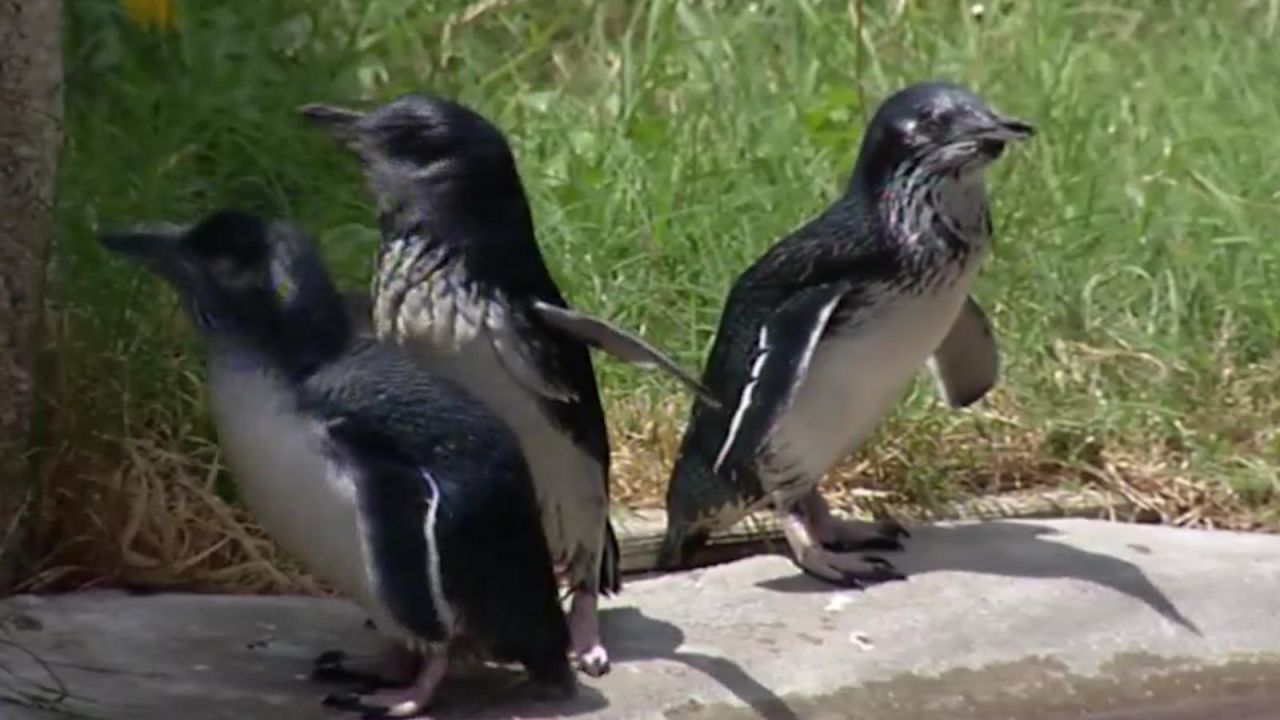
column 161, row 14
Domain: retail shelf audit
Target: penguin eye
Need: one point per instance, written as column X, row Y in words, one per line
column 910, row 131
column 937, row 121
column 415, row 143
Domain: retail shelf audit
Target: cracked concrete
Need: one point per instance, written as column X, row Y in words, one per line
column 1008, row 619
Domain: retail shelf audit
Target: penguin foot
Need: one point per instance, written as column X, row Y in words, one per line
column 848, row 569
column 844, row 536
column 404, row 702
column 592, row 661
column 370, row 707
column 589, row 654
column 330, row 667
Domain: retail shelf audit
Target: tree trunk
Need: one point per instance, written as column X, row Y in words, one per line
column 30, row 140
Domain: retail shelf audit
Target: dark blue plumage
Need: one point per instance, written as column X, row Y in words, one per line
column 415, row 441
column 462, row 283
column 400, row 488
column 820, row 335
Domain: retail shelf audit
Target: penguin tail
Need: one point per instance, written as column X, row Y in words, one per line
column 679, row 544
column 696, row 501
column 611, row 563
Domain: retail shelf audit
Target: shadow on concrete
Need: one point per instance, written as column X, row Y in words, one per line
column 631, row 635
column 494, row 693
column 471, row 689
column 1014, row 549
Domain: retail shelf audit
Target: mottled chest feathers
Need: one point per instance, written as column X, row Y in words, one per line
column 424, row 297
column 942, row 215
column 421, row 291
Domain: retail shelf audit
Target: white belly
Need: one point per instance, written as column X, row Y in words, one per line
column 852, row 383
column 305, row 502
column 570, row 490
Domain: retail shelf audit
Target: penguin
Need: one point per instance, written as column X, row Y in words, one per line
column 360, row 307
column 461, row 282
column 821, row 335
column 398, row 487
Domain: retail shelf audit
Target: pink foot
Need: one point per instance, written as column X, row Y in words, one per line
column 406, row 702
column 846, row 535
column 584, row 634
column 841, row 568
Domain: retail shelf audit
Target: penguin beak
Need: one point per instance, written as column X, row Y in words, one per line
column 1013, row 128
column 342, row 123
column 1001, row 128
column 990, row 132
column 991, row 127
column 159, row 250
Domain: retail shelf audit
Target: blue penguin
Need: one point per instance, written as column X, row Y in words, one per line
column 400, row 488
column 820, row 336
column 461, row 282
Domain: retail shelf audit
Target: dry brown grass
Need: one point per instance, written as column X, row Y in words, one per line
column 910, row 470
column 155, row 519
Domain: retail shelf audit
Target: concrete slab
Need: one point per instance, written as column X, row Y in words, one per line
column 1009, row 619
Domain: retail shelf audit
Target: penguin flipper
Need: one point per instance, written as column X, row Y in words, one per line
column 532, row 364
column 628, row 347
column 967, row 363
column 398, row 501
column 778, row 363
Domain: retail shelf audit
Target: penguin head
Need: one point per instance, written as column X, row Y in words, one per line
column 418, row 143
column 941, row 127
column 247, row 280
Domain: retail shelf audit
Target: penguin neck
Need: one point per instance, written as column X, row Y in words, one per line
column 930, row 212
column 480, row 220
column 294, row 342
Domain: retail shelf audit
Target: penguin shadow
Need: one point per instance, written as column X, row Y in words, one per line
column 1011, row 549
column 632, row 636
column 471, row 690
column 487, row 692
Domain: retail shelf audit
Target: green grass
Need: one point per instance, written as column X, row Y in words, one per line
column 1135, row 284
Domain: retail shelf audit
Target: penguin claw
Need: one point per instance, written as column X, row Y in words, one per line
column 861, row 581
column 850, row 570
column 593, row 662
column 347, row 702
column 356, row 703
column 402, row 701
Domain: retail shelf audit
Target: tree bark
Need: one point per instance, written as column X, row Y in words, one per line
column 30, row 141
